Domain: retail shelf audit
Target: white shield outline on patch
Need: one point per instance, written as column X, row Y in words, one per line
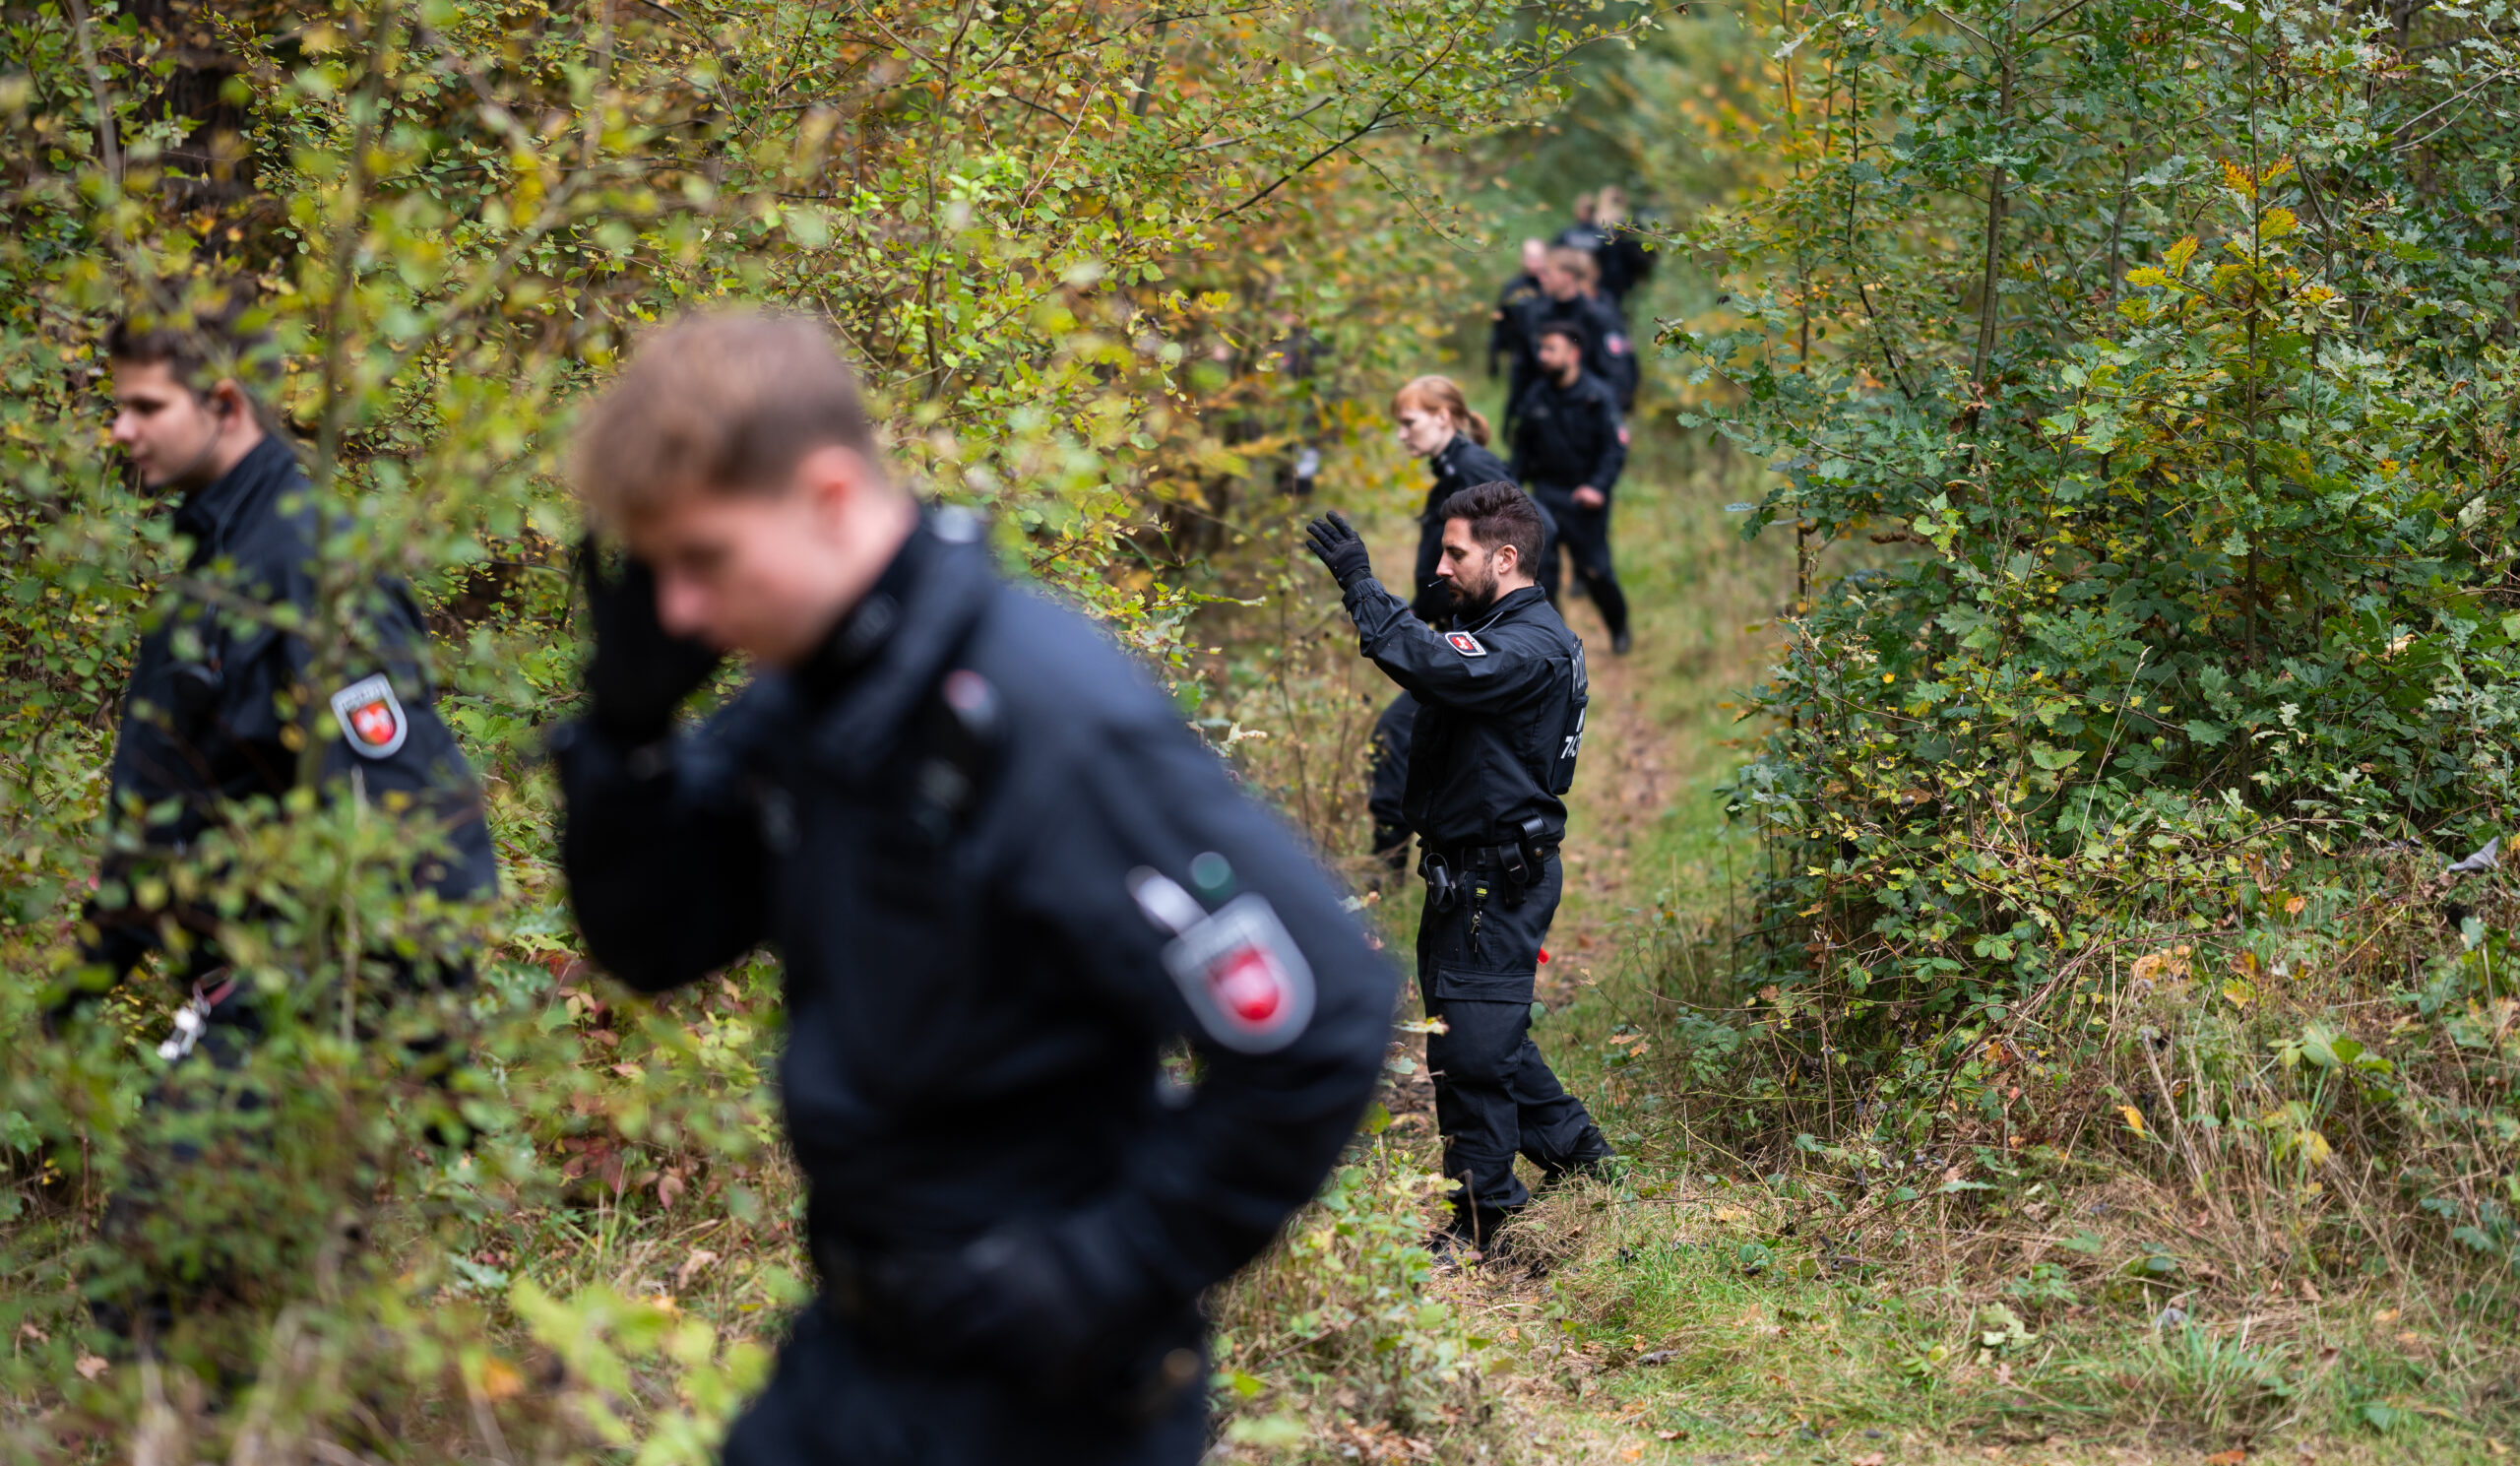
column 358, row 709
column 1465, row 643
column 1244, row 941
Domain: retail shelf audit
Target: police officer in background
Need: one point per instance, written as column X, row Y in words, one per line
column 1505, row 327
column 229, row 710
column 1492, row 755
column 1002, row 876
column 1570, row 447
column 1437, row 424
column 1601, row 229
column 1573, row 297
column 224, row 692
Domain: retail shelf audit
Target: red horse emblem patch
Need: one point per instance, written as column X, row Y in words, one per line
column 1466, row 644
column 371, row 717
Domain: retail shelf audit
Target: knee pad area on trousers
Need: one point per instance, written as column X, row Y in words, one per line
column 1483, row 1042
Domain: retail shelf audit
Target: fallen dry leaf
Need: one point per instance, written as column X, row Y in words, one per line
column 700, row 1257
column 1870, row 1458
column 2232, row 1457
column 500, row 1380
column 93, row 1365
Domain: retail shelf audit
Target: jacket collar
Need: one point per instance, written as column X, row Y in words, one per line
column 1509, row 603
column 210, row 513
column 888, row 653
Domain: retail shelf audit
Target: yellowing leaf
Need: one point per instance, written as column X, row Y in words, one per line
column 2146, row 274
column 2238, row 179
column 2134, row 1118
column 2177, row 258
column 500, row 1380
column 2274, row 223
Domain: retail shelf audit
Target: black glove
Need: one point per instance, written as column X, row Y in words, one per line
column 639, row 673
column 1006, row 1304
column 1336, row 542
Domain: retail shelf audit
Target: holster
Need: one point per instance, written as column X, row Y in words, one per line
column 1443, row 887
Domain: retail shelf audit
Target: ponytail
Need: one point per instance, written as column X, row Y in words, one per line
column 1443, row 395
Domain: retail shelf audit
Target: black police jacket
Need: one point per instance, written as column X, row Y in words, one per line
column 1500, row 714
column 1566, row 437
column 220, row 700
column 1608, row 352
column 1505, row 327
column 940, row 826
column 1459, row 464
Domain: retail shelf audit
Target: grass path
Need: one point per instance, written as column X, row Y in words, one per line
column 1676, row 1318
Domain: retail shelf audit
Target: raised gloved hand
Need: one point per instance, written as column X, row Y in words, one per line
column 640, row 672
column 1338, row 547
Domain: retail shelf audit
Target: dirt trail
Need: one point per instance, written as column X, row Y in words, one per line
column 1624, row 783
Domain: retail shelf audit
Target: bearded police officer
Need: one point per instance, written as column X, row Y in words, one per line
column 1002, row 876
column 1491, row 753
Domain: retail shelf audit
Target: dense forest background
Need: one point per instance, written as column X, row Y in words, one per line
column 2089, row 1028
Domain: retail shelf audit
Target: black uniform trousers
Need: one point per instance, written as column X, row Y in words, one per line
column 836, row 1398
column 1494, row 1094
column 1585, row 534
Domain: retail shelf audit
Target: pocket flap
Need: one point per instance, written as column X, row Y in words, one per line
column 1474, row 985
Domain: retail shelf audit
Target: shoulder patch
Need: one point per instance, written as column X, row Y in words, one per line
column 1618, row 345
column 371, row 717
column 1465, row 643
column 1241, row 975
column 1244, row 977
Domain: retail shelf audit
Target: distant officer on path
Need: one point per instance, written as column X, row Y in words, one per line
column 1601, row 229
column 1499, row 722
column 1505, row 327
column 1002, row 876
column 1570, row 447
column 226, row 697
column 1573, row 297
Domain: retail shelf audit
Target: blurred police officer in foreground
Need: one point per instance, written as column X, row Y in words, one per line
column 1492, row 755
column 1569, row 446
column 227, row 700
column 1002, row 876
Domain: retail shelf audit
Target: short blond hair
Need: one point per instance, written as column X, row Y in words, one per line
column 720, row 402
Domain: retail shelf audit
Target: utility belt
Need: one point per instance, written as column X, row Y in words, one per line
column 1522, row 862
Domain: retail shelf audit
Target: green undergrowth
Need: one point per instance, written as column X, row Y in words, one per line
column 2240, row 1190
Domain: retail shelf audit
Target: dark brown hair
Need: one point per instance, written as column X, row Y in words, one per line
column 1567, row 328
column 209, row 339
column 1499, row 514
column 726, row 401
